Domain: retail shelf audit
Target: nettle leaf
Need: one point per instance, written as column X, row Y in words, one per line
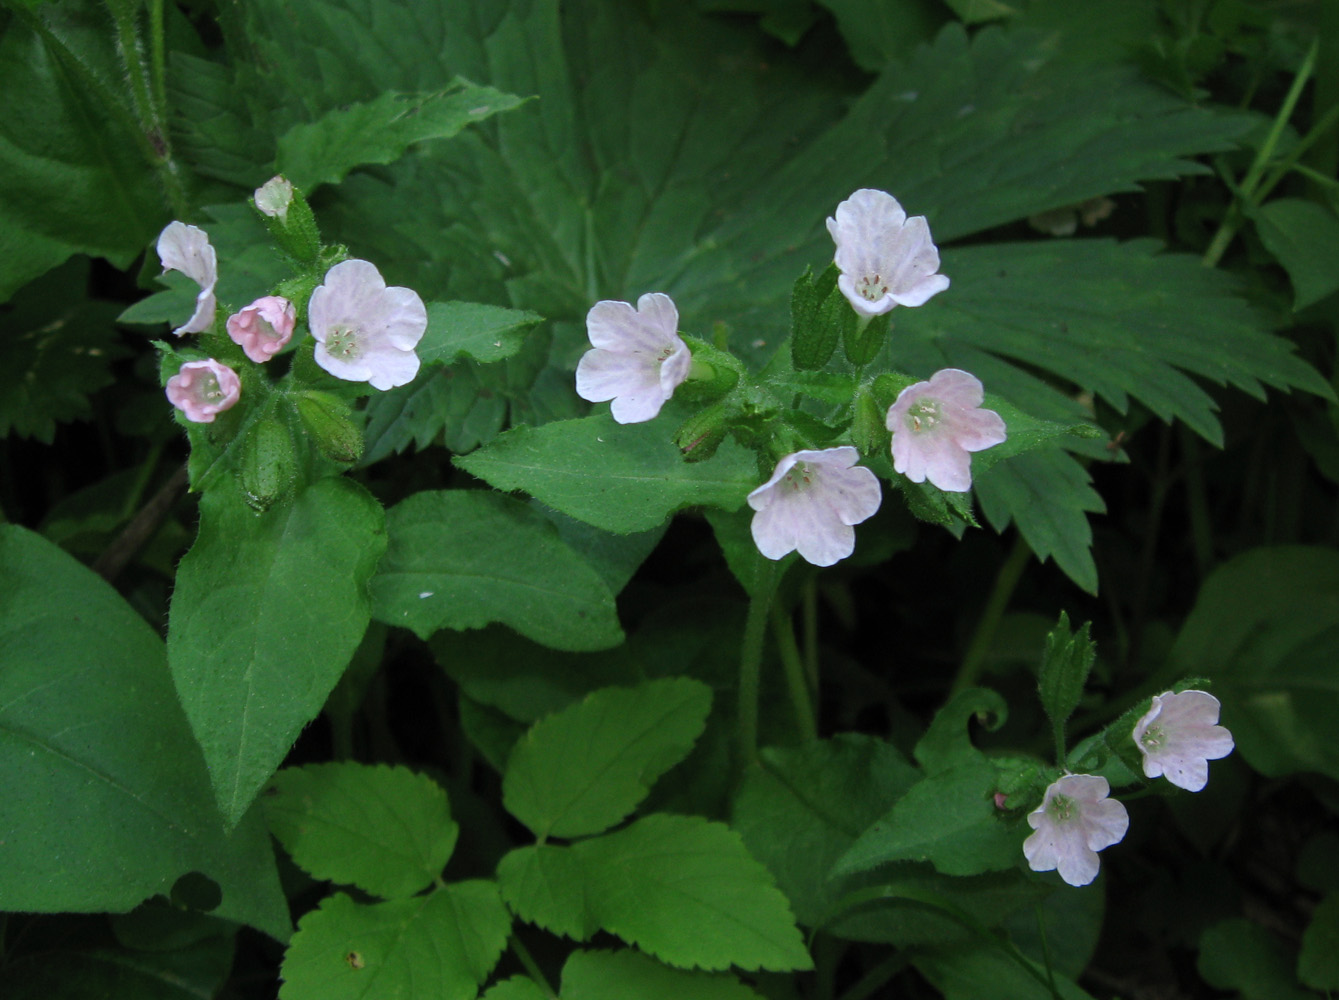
column 581, row 770
column 266, row 613
column 384, row 829
column 441, row 946
column 619, row 477
column 546, row 885
column 456, row 403
column 100, row 815
column 461, row 559
column 629, row 975
column 472, row 330
column 685, row 890
column 1065, row 664
column 380, row 130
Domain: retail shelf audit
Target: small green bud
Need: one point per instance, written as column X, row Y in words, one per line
column 290, row 219
column 869, row 432
column 713, row 374
column 267, row 470
column 702, row 433
column 328, row 419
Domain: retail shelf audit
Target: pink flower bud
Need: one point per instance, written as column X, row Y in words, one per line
column 263, row 327
column 274, row 196
column 203, row 389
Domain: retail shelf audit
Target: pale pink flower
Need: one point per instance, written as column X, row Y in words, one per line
column 264, row 327
column 885, row 258
column 364, row 331
column 637, row 358
column 186, row 249
column 937, row 424
column 1074, row 821
column 274, row 196
column 1179, row 735
column 810, row 503
column 203, row 389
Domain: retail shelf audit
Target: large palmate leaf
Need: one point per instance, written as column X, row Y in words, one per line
column 266, row 613
column 98, row 814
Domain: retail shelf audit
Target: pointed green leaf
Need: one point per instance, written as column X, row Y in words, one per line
column 515, row 988
column 686, row 891
column 266, row 613
column 629, row 975
column 101, row 814
column 621, row 478
column 581, row 770
column 546, row 885
column 460, row 559
column 384, row 829
column 441, row 946
column 980, row 970
column 1304, row 236
column 1065, row 664
column 469, row 329
column 946, row 743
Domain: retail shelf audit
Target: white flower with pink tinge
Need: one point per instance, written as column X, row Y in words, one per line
column 1074, row 821
column 365, row 331
column 936, row 426
column 186, row 249
column 203, row 389
column 885, row 259
column 811, row 503
column 274, row 196
column 637, row 358
column 1179, row 735
column 264, row 327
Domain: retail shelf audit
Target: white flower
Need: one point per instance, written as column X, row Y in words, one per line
column 203, row 389
column 186, row 249
column 364, row 331
column 885, row 258
column 1179, row 735
column 810, row 503
column 937, row 424
column 637, row 359
column 1074, row 821
column 274, row 196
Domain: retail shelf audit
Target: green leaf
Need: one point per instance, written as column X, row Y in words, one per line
column 384, row 829
column 876, row 32
column 946, row 743
column 976, row 11
column 101, row 813
column 979, row 970
column 686, row 891
column 266, row 613
column 1265, row 628
column 947, row 818
column 515, row 988
column 379, row 131
column 1242, row 956
column 441, row 946
column 1318, row 963
column 189, row 973
column 471, row 330
column 455, row 403
column 546, row 885
column 805, row 806
column 629, row 975
column 581, row 770
column 622, row 478
column 460, row 559
column 1065, row 664
column 1304, row 237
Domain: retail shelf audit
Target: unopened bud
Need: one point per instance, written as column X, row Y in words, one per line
column 713, row 374
column 268, row 466
column 702, row 433
column 290, row 219
column 328, row 420
column 868, row 432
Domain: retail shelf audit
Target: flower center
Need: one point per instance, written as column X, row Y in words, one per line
column 923, row 415
column 208, row 389
column 872, row 287
column 342, row 342
column 1152, row 737
column 1062, row 809
column 798, row 477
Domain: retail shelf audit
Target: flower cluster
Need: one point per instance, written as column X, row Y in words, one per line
column 364, row 331
column 1177, row 737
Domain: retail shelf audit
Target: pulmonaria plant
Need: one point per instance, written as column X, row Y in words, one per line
column 637, row 358
column 885, row 258
column 936, row 426
column 1074, row 821
column 187, row 249
column 1179, row 735
column 264, row 327
column 811, row 503
column 203, row 389
column 364, row 330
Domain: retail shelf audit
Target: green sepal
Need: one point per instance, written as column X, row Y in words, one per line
column 268, row 468
column 818, row 319
column 714, row 373
column 329, row 421
column 869, row 432
column 863, row 338
column 702, row 433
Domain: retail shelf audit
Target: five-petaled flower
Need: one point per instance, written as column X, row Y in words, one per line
column 1179, row 735
column 1074, row 821
column 263, row 327
column 203, row 389
column 365, row 331
column 937, row 424
column 637, row 357
column 186, row 249
column 810, row 504
column 885, row 259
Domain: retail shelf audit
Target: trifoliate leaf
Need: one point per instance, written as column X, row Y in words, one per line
column 546, row 885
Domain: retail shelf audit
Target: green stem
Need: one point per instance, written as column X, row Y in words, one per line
column 1289, row 162
column 796, row 684
column 1005, row 582
column 809, row 624
column 132, row 60
column 532, row 967
column 158, row 62
column 766, row 575
column 873, row 980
